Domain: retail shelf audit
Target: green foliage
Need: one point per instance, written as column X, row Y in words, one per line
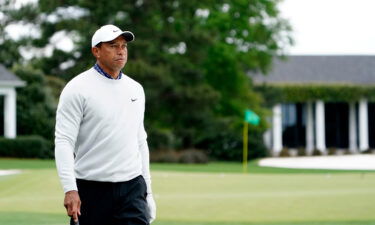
column 10, row 48
column 26, row 147
column 325, row 92
column 223, row 140
column 223, row 74
column 189, row 156
column 35, row 105
column 193, row 156
column 271, row 95
column 56, row 85
column 190, row 56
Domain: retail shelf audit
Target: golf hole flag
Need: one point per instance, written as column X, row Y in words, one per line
column 252, row 118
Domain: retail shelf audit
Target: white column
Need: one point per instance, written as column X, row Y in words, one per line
column 352, row 129
column 320, row 127
column 309, row 129
column 363, row 125
column 10, row 114
column 277, row 131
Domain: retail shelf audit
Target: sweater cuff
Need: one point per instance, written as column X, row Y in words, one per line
column 70, row 187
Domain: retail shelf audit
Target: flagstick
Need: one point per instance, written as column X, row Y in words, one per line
column 245, row 150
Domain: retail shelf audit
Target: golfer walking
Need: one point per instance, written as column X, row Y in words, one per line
column 101, row 151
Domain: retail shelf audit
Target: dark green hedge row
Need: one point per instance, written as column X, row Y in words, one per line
column 325, row 92
column 26, row 147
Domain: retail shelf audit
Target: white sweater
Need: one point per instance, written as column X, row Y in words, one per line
column 99, row 133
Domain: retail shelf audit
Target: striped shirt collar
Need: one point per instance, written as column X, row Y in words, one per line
column 102, row 72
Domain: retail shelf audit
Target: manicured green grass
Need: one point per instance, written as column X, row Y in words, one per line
column 11, row 163
column 234, row 167
column 213, row 167
column 214, row 194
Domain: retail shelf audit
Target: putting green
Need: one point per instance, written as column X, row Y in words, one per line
column 34, row 197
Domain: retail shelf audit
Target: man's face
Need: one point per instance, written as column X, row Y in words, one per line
column 113, row 55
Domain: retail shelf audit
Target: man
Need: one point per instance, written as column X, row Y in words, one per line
column 101, row 151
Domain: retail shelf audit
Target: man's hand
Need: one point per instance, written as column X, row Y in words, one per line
column 72, row 203
column 151, row 207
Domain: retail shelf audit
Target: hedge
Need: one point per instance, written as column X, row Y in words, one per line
column 26, row 147
column 311, row 92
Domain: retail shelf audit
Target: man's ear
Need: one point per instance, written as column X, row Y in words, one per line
column 95, row 52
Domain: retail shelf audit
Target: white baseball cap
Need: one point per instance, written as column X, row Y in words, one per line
column 108, row 33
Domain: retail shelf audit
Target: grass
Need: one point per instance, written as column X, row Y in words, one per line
column 213, row 167
column 10, row 163
column 213, row 194
column 253, row 168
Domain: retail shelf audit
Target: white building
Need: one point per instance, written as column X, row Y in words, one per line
column 328, row 102
column 8, row 84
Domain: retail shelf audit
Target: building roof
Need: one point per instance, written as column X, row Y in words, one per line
column 7, row 78
column 318, row 69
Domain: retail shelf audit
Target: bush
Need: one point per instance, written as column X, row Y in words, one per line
column 35, row 104
column 316, row 152
column 302, row 151
column 164, row 156
column 193, row 156
column 332, row 151
column 26, row 147
column 159, row 138
column 368, row 151
column 184, row 156
column 227, row 144
column 284, row 153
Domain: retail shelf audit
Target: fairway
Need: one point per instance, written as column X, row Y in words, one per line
column 34, row 197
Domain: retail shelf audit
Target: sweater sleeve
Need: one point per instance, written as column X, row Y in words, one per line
column 69, row 115
column 144, row 151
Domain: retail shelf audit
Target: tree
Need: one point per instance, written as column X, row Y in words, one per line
column 35, row 105
column 191, row 57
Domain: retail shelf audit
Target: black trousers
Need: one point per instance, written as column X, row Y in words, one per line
column 106, row 203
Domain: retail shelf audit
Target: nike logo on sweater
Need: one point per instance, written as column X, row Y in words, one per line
column 134, row 99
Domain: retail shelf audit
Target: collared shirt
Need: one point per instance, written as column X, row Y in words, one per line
column 101, row 71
